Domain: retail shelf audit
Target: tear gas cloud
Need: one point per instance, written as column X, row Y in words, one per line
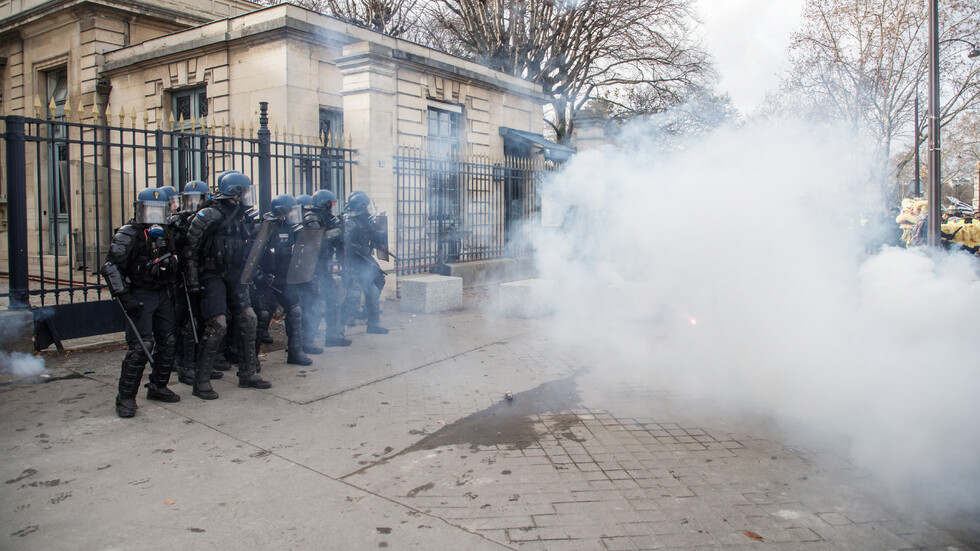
column 738, row 269
column 21, row 365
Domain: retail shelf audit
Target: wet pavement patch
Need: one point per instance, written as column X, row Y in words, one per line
column 510, row 423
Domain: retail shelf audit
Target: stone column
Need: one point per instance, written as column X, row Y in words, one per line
column 370, row 103
column 589, row 130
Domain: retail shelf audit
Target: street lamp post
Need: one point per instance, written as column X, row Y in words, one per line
column 933, row 158
column 934, row 188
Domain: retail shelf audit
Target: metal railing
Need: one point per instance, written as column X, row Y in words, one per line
column 70, row 184
column 463, row 208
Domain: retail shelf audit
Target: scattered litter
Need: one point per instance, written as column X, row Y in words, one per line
column 170, row 502
column 45, row 376
column 441, row 422
column 508, row 395
column 753, row 535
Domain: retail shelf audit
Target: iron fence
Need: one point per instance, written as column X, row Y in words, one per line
column 463, row 208
column 70, row 184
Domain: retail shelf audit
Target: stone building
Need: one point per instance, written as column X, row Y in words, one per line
column 178, row 62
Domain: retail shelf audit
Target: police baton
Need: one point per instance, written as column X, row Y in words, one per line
column 190, row 310
column 136, row 332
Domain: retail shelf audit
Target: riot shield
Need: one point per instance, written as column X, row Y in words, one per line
column 381, row 236
column 258, row 247
column 306, row 250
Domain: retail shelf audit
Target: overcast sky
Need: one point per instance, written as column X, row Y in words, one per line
column 748, row 39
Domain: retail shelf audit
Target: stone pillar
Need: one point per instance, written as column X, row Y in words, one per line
column 370, row 104
column 589, row 130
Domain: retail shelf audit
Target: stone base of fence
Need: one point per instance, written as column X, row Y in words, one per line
column 432, row 293
column 527, row 298
column 483, row 272
column 17, row 331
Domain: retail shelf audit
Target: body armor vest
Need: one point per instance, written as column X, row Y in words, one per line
column 153, row 262
column 225, row 247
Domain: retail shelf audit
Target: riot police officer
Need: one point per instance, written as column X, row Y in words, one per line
column 173, row 199
column 323, row 302
column 270, row 281
column 359, row 238
column 215, row 256
column 140, row 268
column 188, row 305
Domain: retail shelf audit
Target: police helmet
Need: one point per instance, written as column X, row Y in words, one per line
column 173, row 198
column 193, row 196
column 152, row 206
column 358, row 202
column 285, row 207
column 223, row 175
column 304, row 200
column 236, row 185
column 324, row 199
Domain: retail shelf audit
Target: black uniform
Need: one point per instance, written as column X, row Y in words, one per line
column 215, row 256
column 323, row 296
column 359, row 234
column 140, row 270
column 271, row 289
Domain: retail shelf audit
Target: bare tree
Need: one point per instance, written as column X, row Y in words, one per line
column 390, row 17
column 576, row 49
column 863, row 62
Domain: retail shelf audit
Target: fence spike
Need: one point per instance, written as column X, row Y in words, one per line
column 132, row 117
column 171, row 120
column 146, row 119
column 275, row 131
column 95, row 113
column 122, row 115
column 51, row 109
column 251, row 129
column 212, row 128
column 68, row 110
column 37, row 107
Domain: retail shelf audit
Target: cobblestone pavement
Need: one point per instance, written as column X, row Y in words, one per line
column 409, row 441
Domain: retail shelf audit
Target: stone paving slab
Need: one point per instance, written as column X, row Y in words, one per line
column 366, row 450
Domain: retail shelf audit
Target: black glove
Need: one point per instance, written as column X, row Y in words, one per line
column 191, row 284
column 132, row 306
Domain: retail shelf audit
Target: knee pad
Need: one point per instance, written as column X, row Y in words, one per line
column 247, row 320
column 216, row 326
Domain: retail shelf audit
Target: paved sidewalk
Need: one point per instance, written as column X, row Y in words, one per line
column 407, row 441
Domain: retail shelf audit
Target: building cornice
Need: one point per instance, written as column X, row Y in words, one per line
column 302, row 24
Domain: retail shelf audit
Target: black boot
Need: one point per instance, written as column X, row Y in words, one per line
column 266, row 337
column 213, row 334
column 311, row 348
column 294, row 338
column 163, row 363
column 129, row 380
column 160, row 393
column 188, row 354
column 376, row 329
column 248, row 376
column 336, row 341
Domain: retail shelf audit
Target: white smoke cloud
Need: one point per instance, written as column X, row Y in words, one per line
column 21, row 365
column 736, row 269
column 748, row 40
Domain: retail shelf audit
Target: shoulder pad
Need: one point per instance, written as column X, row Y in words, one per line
column 210, row 214
column 128, row 231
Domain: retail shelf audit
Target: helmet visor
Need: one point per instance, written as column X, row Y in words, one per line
column 191, row 202
column 154, row 212
column 248, row 196
column 293, row 216
column 174, row 202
